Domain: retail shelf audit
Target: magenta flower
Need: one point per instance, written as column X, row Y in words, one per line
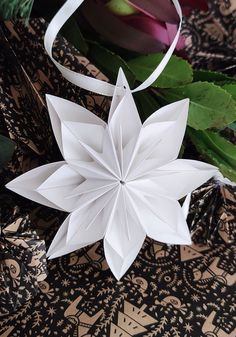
column 144, row 26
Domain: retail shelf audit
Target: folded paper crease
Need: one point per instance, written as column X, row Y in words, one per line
column 120, row 181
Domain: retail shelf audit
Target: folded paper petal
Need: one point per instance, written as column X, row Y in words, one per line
column 120, row 181
column 90, row 134
column 86, row 232
column 175, row 179
column 62, row 111
column 170, row 123
column 182, row 176
column 123, row 239
column 28, row 183
column 149, row 137
column 90, row 170
column 93, row 185
column 120, row 264
column 161, row 218
column 90, row 219
column 59, row 245
column 119, row 92
column 58, row 186
column 124, row 128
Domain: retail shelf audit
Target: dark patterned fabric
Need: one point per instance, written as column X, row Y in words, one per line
column 212, row 214
column 211, row 37
column 22, row 262
column 26, row 76
column 169, row 291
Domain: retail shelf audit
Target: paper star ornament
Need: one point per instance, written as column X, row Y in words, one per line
column 120, row 180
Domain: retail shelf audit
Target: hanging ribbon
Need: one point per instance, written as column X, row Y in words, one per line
column 89, row 83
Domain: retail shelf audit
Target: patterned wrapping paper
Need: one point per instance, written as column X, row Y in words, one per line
column 211, row 37
column 212, row 214
column 170, row 291
column 22, row 262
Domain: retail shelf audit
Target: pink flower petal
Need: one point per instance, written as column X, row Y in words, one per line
column 119, row 31
column 162, row 32
column 172, row 29
column 162, row 10
column 150, row 26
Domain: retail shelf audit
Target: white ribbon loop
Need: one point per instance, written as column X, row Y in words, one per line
column 89, row 83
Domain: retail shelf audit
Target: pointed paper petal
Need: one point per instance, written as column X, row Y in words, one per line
column 124, row 124
column 89, row 197
column 119, row 92
column 92, row 185
column 59, row 241
column 27, row 184
column 90, row 170
column 59, row 246
column 127, row 119
column 90, row 134
column 61, row 110
column 162, row 219
column 119, row 264
column 110, row 153
column 71, row 147
column 182, row 176
column 59, row 186
column 106, row 158
column 87, row 222
column 171, row 113
column 176, row 179
column 123, row 239
column 146, row 186
column 149, row 138
column 168, row 148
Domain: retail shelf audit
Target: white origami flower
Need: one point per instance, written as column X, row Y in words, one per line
column 120, row 181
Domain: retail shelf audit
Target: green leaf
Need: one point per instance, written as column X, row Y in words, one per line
column 216, row 150
column 210, row 105
column 221, row 146
column 7, row 147
column 232, row 126
column 231, row 89
column 146, row 104
column 181, row 152
column 176, row 73
column 109, row 63
column 211, row 76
